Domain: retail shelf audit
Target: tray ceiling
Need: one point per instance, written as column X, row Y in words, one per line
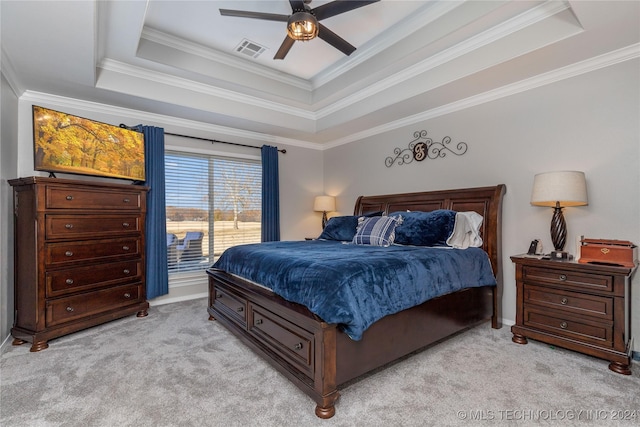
column 414, row 59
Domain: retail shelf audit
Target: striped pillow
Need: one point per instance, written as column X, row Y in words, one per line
column 376, row 231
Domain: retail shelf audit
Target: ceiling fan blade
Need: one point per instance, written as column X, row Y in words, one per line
column 335, row 40
column 297, row 4
column 337, row 7
column 254, row 15
column 284, row 48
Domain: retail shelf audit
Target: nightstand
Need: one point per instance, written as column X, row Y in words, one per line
column 581, row 307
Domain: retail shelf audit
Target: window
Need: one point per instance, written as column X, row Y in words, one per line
column 212, row 203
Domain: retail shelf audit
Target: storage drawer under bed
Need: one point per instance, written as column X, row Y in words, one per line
column 290, row 341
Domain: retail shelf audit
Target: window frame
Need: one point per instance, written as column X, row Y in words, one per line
column 196, row 277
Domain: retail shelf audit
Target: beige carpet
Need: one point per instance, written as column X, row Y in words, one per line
column 176, row 368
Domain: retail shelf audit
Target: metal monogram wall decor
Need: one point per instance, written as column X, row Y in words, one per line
column 424, row 148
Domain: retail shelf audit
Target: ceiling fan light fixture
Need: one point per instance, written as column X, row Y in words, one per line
column 302, row 26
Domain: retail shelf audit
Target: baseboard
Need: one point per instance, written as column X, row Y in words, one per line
column 508, row 322
column 177, row 299
column 4, row 343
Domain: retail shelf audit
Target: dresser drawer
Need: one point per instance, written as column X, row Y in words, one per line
column 578, row 328
column 291, row 342
column 76, row 307
column 600, row 307
column 91, row 250
column 71, row 280
column 91, row 198
column 234, row 306
column 569, row 279
column 79, row 226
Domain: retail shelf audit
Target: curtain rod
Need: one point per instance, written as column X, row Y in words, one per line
column 283, row 151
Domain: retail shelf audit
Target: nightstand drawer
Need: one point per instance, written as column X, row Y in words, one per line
column 570, row 302
column 569, row 279
column 581, row 329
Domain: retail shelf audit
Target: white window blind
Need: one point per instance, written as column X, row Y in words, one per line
column 212, row 203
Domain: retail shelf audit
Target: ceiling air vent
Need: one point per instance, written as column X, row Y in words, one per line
column 250, row 48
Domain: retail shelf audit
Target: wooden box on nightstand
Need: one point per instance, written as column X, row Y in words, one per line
column 581, row 307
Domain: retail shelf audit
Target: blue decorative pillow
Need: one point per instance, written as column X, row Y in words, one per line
column 341, row 228
column 425, row 228
column 376, row 231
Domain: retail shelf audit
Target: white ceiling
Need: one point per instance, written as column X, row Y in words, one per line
column 414, row 59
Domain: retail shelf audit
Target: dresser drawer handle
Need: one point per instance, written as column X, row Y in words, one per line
column 218, row 295
column 240, row 309
column 69, row 281
column 564, row 301
column 127, row 295
column 70, row 309
column 126, row 271
column 125, row 224
column 68, row 226
column 563, row 325
column 298, row 346
column 258, row 321
column 125, row 248
column 563, row 277
column 126, row 200
column 69, row 197
column 68, row 253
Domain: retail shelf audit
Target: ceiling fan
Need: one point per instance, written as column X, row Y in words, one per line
column 303, row 23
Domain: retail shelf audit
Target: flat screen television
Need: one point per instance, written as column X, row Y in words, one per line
column 69, row 144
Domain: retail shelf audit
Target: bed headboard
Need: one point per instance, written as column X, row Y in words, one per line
column 487, row 201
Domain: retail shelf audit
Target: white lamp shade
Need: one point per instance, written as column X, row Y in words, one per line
column 324, row 204
column 569, row 188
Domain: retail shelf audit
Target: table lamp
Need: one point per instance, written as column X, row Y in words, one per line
column 324, row 204
column 559, row 190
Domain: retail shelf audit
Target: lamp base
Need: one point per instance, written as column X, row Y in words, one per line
column 560, row 255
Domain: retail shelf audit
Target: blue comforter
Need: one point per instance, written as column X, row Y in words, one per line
column 356, row 285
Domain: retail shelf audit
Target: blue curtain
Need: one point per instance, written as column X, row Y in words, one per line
column 156, row 224
column 270, row 195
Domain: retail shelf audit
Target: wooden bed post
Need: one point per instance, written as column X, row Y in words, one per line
column 496, row 228
column 325, row 376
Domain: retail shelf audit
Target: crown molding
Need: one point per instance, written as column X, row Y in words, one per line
column 187, row 84
column 602, row 61
column 9, row 72
column 505, row 29
column 161, row 120
column 628, row 53
column 401, row 30
column 193, row 48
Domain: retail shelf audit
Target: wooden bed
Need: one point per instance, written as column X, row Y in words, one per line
column 318, row 357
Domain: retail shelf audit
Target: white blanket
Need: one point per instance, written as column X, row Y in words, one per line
column 466, row 231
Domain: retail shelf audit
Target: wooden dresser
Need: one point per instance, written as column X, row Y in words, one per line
column 79, row 256
column 582, row 307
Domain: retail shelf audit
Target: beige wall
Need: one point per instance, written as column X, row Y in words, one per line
column 8, row 170
column 590, row 123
